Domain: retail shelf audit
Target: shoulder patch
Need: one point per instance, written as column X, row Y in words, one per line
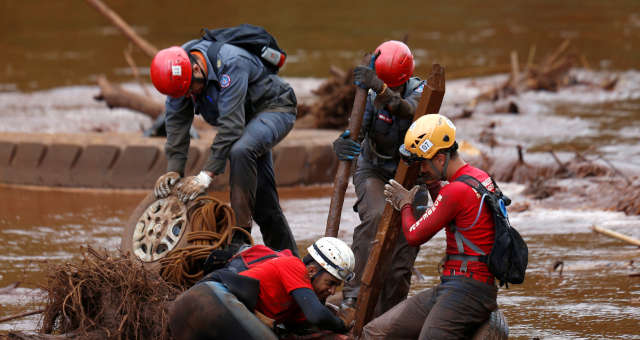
column 225, row 80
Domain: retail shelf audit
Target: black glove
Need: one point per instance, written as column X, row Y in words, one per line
column 345, row 148
column 367, row 78
column 217, row 259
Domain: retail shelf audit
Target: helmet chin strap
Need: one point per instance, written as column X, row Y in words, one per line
column 442, row 175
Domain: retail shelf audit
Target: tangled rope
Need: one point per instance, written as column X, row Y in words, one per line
column 212, row 226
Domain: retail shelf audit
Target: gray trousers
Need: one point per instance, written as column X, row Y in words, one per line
column 252, row 180
column 453, row 309
column 369, row 183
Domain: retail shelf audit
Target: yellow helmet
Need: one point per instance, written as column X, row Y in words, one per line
column 427, row 135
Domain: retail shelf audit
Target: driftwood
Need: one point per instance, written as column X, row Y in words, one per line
column 117, row 21
column 549, row 75
column 21, row 315
column 616, row 235
column 117, row 97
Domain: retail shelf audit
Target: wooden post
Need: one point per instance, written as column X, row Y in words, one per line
column 389, row 225
column 341, row 181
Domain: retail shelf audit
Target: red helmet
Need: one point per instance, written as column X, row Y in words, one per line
column 171, row 71
column 394, row 65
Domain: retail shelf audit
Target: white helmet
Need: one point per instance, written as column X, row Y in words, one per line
column 334, row 256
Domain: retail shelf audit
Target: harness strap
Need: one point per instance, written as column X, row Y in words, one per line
column 262, row 258
column 461, row 240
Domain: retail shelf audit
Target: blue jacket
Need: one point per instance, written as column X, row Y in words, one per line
column 230, row 99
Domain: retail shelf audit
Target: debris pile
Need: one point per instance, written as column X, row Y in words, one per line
column 333, row 106
column 106, row 297
column 551, row 74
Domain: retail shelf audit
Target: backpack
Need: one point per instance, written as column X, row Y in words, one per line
column 255, row 39
column 509, row 255
column 247, row 258
column 253, row 256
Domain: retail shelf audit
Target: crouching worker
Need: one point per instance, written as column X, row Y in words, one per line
column 466, row 296
column 281, row 291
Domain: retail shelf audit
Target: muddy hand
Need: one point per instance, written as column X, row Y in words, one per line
column 397, row 195
column 193, row 186
column 348, row 316
column 165, row 183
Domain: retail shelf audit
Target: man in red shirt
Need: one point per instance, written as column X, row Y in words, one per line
column 280, row 291
column 466, row 296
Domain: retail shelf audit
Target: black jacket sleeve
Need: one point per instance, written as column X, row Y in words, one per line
column 315, row 312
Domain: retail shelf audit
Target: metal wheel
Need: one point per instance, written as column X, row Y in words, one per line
column 159, row 229
column 154, row 228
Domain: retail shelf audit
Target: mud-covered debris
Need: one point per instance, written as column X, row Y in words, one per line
column 519, row 207
column 332, row 107
column 520, row 171
column 540, row 189
column 628, row 200
column 106, row 297
column 550, row 74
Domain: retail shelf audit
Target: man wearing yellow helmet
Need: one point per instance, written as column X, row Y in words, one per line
column 467, row 293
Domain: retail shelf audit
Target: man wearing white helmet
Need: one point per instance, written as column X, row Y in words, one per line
column 281, row 291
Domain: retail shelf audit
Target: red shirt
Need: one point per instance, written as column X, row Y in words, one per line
column 458, row 203
column 278, row 278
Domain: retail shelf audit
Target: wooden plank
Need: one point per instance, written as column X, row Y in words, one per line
column 388, row 230
column 617, row 235
column 341, row 181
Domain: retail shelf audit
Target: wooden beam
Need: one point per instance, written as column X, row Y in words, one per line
column 617, row 235
column 389, row 226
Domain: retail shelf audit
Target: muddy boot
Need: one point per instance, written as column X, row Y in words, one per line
column 239, row 240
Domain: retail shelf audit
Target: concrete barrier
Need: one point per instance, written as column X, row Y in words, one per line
column 55, row 169
column 7, row 151
column 25, row 163
column 94, row 165
column 290, row 164
column 133, row 166
column 131, row 161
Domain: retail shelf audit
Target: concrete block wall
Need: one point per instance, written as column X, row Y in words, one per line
column 137, row 166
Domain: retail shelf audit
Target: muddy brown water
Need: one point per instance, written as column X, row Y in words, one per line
column 594, row 298
column 59, row 45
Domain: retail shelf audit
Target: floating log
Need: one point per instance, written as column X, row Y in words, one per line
column 617, row 235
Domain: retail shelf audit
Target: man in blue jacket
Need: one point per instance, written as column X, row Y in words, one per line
column 252, row 108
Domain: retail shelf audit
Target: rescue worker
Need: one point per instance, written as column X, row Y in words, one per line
column 391, row 102
column 283, row 290
column 253, row 111
column 466, row 296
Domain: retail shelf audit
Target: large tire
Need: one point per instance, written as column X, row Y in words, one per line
column 496, row 328
column 156, row 227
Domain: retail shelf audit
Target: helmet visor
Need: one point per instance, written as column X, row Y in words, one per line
column 408, row 156
column 344, row 273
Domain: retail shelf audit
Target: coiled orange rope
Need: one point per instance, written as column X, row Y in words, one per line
column 212, row 226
